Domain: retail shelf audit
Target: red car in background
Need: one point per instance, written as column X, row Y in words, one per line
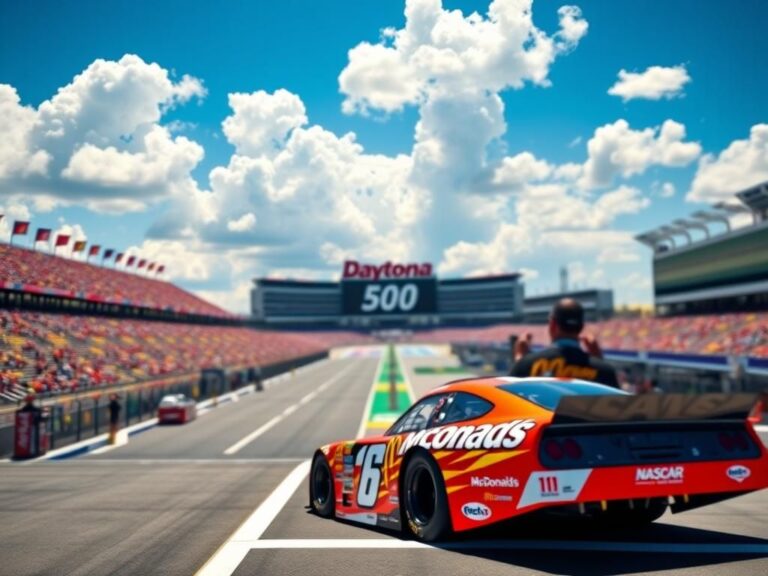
column 176, row 409
column 479, row 451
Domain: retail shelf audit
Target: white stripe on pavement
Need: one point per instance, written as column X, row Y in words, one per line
column 369, row 401
column 567, row 545
column 229, row 556
column 243, row 442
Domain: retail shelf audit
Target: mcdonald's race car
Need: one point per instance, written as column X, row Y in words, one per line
column 475, row 452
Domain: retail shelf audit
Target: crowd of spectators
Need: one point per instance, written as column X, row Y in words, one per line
column 725, row 334
column 38, row 272
column 57, row 353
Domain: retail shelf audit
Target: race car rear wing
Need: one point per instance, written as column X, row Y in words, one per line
column 653, row 408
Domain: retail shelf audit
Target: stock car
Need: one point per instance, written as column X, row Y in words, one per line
column 479, row 451
column 176, row 409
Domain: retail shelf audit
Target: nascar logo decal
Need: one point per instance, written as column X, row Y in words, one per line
column 476, row 511
column 738, row 472
column 660, row 475
column 507, row 435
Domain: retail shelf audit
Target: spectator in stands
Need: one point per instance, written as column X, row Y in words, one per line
column 565, row 358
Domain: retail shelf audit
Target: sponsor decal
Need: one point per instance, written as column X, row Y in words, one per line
column 488, row 482
column 491, row 497
column 356, row 270
column 507, row 435
column 349, row 460
column 348, row 485
column 660, row 475
column 558, row 368
column 738, row 473
column 394, row 500
column 564, row 486
column 476, row 511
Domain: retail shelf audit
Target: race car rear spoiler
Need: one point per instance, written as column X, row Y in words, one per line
column 653, row 407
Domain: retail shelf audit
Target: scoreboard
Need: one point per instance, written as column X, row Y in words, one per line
column 389, row 296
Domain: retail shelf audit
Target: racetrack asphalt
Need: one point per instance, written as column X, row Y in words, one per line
column 168, row 500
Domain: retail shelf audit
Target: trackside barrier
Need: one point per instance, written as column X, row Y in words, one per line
column 80, row 417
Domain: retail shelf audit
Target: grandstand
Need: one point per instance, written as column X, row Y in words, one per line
column 699, row 271
column 36, row 274
column 72, row 326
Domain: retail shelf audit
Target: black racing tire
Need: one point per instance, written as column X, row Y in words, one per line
column 322, row 493
column 621, row 515
column 424, row 502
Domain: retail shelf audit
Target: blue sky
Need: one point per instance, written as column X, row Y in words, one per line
column 303, row 48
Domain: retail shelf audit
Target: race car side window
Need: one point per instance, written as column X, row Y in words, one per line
column 418, row 417
column 463, row 406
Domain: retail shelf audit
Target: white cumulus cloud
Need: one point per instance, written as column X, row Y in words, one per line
column 654, row 83
column 98, row 141
column 618, row 150
column 442, row 52
column 743, row 163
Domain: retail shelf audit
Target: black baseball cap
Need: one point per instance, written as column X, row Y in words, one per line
column 568, row 315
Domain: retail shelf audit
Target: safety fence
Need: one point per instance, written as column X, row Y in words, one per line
column 82, row 416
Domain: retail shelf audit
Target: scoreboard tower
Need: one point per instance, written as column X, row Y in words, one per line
column 387, row 295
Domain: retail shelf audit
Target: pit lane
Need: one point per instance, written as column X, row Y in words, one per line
column 170, row 500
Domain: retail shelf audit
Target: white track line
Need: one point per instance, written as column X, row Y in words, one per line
column 229, row 556
column 243, row 442
column 175, row 461
column 567, row 545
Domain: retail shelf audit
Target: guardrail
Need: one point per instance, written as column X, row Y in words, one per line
column 84, row 415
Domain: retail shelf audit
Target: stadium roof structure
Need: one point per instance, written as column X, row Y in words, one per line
column 753, row 201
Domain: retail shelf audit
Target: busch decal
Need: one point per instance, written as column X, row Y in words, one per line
column 476, row 511
column 485, row 436
column 660, row 475
column 738, row 473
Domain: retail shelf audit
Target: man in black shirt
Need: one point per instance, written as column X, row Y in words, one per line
column 565, row 358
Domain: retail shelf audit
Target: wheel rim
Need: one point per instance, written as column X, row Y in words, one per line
column 321, row 484
column 422, row 496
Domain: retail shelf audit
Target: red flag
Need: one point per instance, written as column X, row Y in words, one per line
column 151, row 266
column 20, row 228
column 142, row 263
column 131, row 260
column 43, row 235
column 119, row 257
column 108, row 253
column 94, row 250
column 161, row 269
column 62, row 240
column 79, row 246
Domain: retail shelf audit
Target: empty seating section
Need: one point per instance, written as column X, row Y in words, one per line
column 39, row 272
column 726, row 334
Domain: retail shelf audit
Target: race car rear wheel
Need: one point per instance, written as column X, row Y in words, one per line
column 425, row 503
column 321, row 490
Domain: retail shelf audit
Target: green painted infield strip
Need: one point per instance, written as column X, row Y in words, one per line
column 381, row 411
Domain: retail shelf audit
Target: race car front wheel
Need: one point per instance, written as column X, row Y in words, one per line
column 321, row 490
column 425, row 503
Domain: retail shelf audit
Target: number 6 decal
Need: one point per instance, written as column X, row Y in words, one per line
column 370, row 459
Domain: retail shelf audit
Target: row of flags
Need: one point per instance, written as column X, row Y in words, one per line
column 21, row 228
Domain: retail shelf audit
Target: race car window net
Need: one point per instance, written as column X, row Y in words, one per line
column 462, row 406
column 418, row 416
column 548, row 394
